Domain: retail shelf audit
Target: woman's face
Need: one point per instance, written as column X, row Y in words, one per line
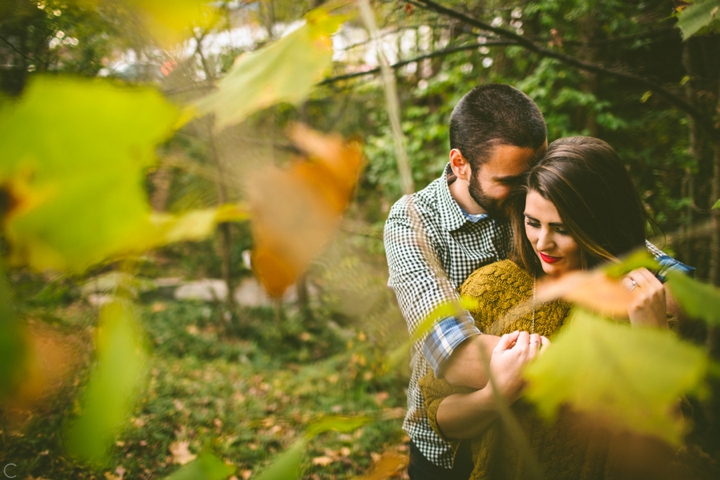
column 557, row 250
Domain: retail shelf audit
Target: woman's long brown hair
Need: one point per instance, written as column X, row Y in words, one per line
column 594, row 195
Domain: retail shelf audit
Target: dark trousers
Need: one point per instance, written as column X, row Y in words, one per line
column 420, row 468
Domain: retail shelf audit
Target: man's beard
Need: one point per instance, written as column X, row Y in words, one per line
column 492, row 206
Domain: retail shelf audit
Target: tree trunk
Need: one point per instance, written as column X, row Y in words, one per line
column 589, row 32
column 161, row 180
column 713, row 332
column 695, row 150
column 225, row 234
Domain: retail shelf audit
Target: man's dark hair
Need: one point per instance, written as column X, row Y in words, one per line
column 495, row 114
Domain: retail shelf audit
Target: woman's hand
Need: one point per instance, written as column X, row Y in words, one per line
column 648, row 306
column 512, row 352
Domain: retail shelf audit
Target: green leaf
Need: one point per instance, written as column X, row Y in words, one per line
column 697, row 16
column 631, row 377
column 76, row 175
column 284, row 71
column 714, row 369
column 716, row 204
column 637, row 259
column 205, row 467
column 446, row 309
column 287, row 465
column 698, row 300
column 107, row 401
column 336, row 423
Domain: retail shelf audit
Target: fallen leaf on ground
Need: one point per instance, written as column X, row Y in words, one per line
column 386, row 465
column 181, row 452
column 322, row 461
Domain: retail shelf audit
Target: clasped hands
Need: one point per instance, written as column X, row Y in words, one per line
column 510, row 355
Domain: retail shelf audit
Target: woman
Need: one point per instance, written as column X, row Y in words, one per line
column 579, row 208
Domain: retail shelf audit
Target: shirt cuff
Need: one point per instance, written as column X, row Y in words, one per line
column 447, row 334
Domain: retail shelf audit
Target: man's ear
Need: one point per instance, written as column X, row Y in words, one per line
column 459, row 164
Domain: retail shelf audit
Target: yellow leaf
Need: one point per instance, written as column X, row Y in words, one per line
column 386, row 466
column 630, row 378
column 170, row 21
column 284, row 71
column 194, row 225
column 78, row 150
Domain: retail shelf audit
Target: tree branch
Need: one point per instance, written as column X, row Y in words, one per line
column 702, row 120
column 625, row 38
column 15, row 48
column 437, row 53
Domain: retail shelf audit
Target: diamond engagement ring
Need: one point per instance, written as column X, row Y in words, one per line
column 633, row 285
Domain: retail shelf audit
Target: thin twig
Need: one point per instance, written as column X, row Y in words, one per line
column 402, row 63
column 15, row 48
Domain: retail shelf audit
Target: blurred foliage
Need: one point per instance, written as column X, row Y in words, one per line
column 111, row 389
column 212, row 398
column 631, row 377
column 699, row 17
column 206, row 467
column 698, row 299
column 270, row 75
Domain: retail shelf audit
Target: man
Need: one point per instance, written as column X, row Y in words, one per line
column 496, row 134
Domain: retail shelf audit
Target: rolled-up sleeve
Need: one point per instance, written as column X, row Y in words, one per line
column 418, row 290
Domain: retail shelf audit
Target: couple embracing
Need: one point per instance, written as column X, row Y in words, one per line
column 508, row 209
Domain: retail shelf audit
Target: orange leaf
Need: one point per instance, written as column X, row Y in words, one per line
column 296, row 210
column 591, row 289
column 52, row 358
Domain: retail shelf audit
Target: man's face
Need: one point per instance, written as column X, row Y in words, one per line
column 495, row 179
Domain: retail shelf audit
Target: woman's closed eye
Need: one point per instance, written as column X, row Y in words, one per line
column 558, row 229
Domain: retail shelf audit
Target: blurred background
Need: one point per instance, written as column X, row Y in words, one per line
column 230, row 371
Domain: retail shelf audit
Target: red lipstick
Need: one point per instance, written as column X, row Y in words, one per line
column 549, row 259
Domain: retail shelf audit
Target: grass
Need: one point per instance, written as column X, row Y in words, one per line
column 242, row 399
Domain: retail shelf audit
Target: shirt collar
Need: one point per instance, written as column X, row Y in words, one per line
column 452, row 215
